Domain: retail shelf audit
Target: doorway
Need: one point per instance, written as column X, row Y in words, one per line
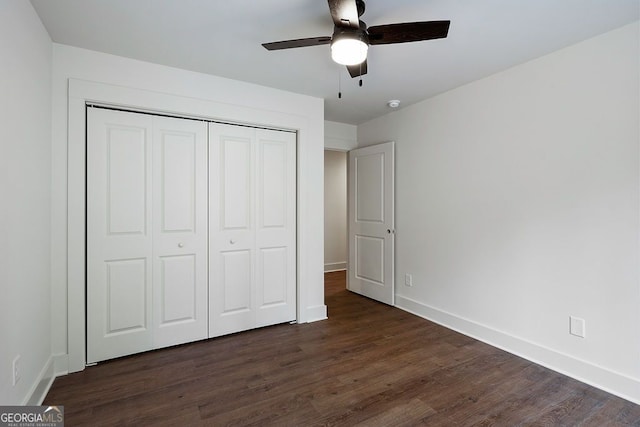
column 335, row 210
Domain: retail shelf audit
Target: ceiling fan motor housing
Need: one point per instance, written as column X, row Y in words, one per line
column 351, row 33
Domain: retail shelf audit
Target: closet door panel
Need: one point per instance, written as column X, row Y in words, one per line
column 272, row 185
column 178, row 173
column 180, row 231
column 178, row 289
column 236, row 282
column 126, row 296
column 119, row 243
column 231, row 229
column 235, row 166
column 273, row 280
column 126, row 181
column 276, row 227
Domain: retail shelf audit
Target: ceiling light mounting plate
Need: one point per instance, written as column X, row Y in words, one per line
column 394, row 103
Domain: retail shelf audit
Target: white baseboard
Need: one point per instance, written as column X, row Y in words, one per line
column 316, row 313
column 41, row 386
column 335, row 266
column 612, row 382
column 61, row 364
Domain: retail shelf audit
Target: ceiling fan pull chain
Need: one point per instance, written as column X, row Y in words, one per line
column 360, row 82
column 339, row 85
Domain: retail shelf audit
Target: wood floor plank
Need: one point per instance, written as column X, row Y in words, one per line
column 368, row 365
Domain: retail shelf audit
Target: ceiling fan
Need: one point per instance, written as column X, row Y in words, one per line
column 351, row 37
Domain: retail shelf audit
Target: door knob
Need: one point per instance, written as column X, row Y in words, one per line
column 181, row 245
column 232, row 241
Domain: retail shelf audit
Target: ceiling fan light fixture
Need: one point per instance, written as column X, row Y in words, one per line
column 351, row 36
column 348, row 50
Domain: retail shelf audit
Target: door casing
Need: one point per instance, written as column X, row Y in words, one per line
column 80, row 93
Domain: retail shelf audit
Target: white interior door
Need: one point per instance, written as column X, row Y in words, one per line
column 371, row 222
column 231, row 228
column 179, row 231
column 252, row 226
column 146, row 232
column 275, row 227
column 119, row 234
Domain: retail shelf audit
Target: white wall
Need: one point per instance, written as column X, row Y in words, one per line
column 335, row 210
column 209, row 93
column 517, row 203
column 25, row 225
column 340, row 136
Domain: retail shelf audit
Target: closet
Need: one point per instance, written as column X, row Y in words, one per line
column 191, row 230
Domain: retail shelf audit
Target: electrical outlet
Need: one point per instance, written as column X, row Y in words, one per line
column 16, row 370
column 576, row 326
column 408, row 279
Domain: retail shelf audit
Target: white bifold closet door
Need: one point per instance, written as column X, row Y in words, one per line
column 252, row 228
column 146, row 232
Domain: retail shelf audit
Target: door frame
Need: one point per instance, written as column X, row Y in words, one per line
column 82, row 92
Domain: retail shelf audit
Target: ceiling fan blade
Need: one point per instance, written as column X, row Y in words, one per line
column 408, row 32
column 344, row 13
column 358, row 69
column 288, row 44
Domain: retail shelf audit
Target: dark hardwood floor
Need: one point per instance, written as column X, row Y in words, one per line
column 369, row 365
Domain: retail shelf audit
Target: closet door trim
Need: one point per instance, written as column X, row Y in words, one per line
column 307, row 122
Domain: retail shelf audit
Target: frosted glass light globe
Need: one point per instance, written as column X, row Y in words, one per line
column 349, row 51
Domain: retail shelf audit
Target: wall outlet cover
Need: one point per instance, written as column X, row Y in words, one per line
column 408, row 280
column 576, row 326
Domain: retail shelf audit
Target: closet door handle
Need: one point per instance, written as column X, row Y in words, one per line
column 233, row 242
column 181, row 245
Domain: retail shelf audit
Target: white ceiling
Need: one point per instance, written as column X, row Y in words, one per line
column 224, row 38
